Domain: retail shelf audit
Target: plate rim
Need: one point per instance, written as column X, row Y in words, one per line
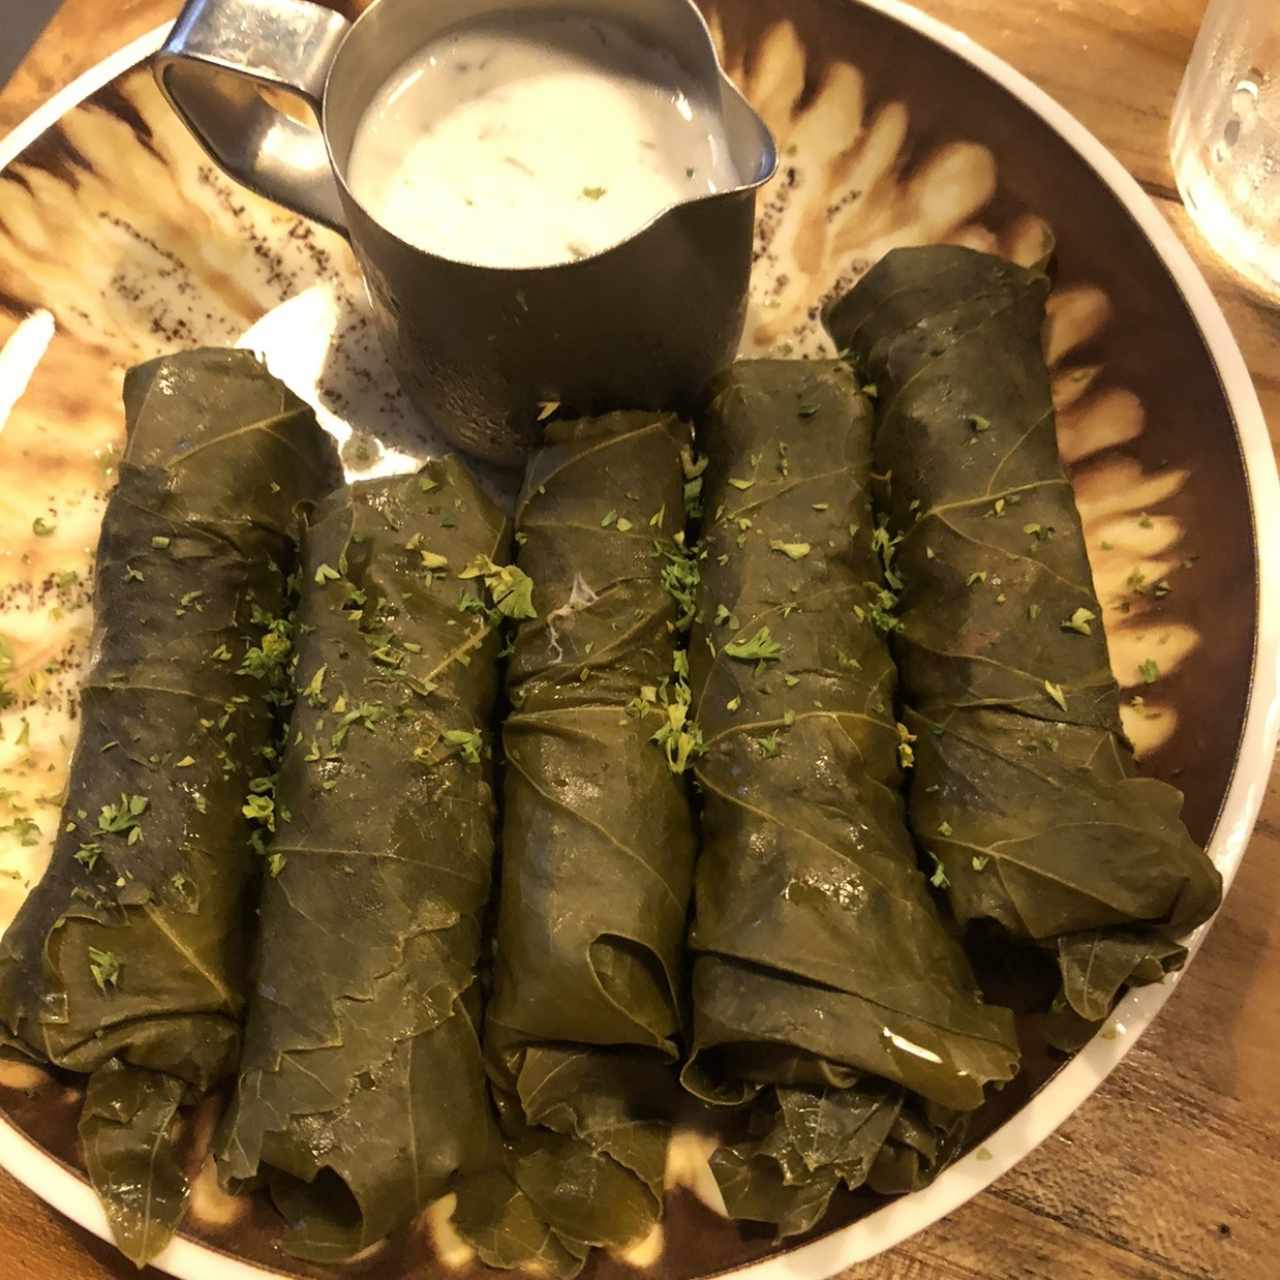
column 61, row 1188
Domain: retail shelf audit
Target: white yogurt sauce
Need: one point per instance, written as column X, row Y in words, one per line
column 531, row 139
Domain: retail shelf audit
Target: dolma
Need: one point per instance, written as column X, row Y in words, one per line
column 1024, row 791
column 125, row 962
column 826, row 986
column 598, row 842
column 361, row 1093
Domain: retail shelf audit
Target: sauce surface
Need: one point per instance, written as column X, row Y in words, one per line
column 525, row 140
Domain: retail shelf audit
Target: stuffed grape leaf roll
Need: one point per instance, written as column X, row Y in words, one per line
column 826, row 986
column 126, row 961
column 1024, row 791
column 362, row 1093
column 598, row 841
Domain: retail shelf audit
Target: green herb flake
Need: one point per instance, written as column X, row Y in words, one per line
column 42, row 527
column 608, row 519
column 314, row 691
column 806, row 410
column 510, row 587
column 944, row 829
column 980, row 861
column 594, row 193
column 105, row 969
column 623, row 525
column 906, row 756
column 87, row 854
column 326, row 573
column 1149, row 671
column 276, row 864
column 741, row 484
column 122, row 817
column 1055, row 693
column 734, row 703
column 467, row 743
column 792, row 550
column 977, row 422
column 160, row 542
column 760, row 647
column 974, row 578
column 1081, row 621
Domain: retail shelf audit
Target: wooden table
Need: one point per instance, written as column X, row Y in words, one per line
column 1172, row 1170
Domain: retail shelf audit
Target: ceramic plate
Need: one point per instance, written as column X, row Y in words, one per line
column 118, row 241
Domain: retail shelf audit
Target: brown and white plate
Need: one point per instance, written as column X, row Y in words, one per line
column 119, row 241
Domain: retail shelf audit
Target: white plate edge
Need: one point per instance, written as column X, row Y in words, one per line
column 1068, row 1090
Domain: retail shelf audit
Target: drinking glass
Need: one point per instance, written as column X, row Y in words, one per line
column 1225, row 137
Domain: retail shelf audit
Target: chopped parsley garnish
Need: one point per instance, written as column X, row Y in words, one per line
column 679, row 577
column 42, row 527
column 906, row 756
column 88, row 853
column 1148, row 670
column 510, row 588
column 122, row 818
column 1080, row 621
column 367, row 714
column 977, row 422
column 314, row 691
column 105, row 969
column 260, row 808
column 761, row 647
column 792, row 550
column 467, row 743
column 160, row 542
column 1055, row 692
column 267, row 659
column 740, row 484
column 326, row 573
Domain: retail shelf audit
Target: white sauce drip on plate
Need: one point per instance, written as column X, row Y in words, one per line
column 532, row 139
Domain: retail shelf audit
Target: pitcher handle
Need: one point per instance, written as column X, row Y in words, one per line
column 218, row 57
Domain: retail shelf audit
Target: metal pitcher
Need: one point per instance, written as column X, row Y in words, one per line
column 642, row 324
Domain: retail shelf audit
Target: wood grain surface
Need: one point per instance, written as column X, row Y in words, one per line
column 1172, row 1170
